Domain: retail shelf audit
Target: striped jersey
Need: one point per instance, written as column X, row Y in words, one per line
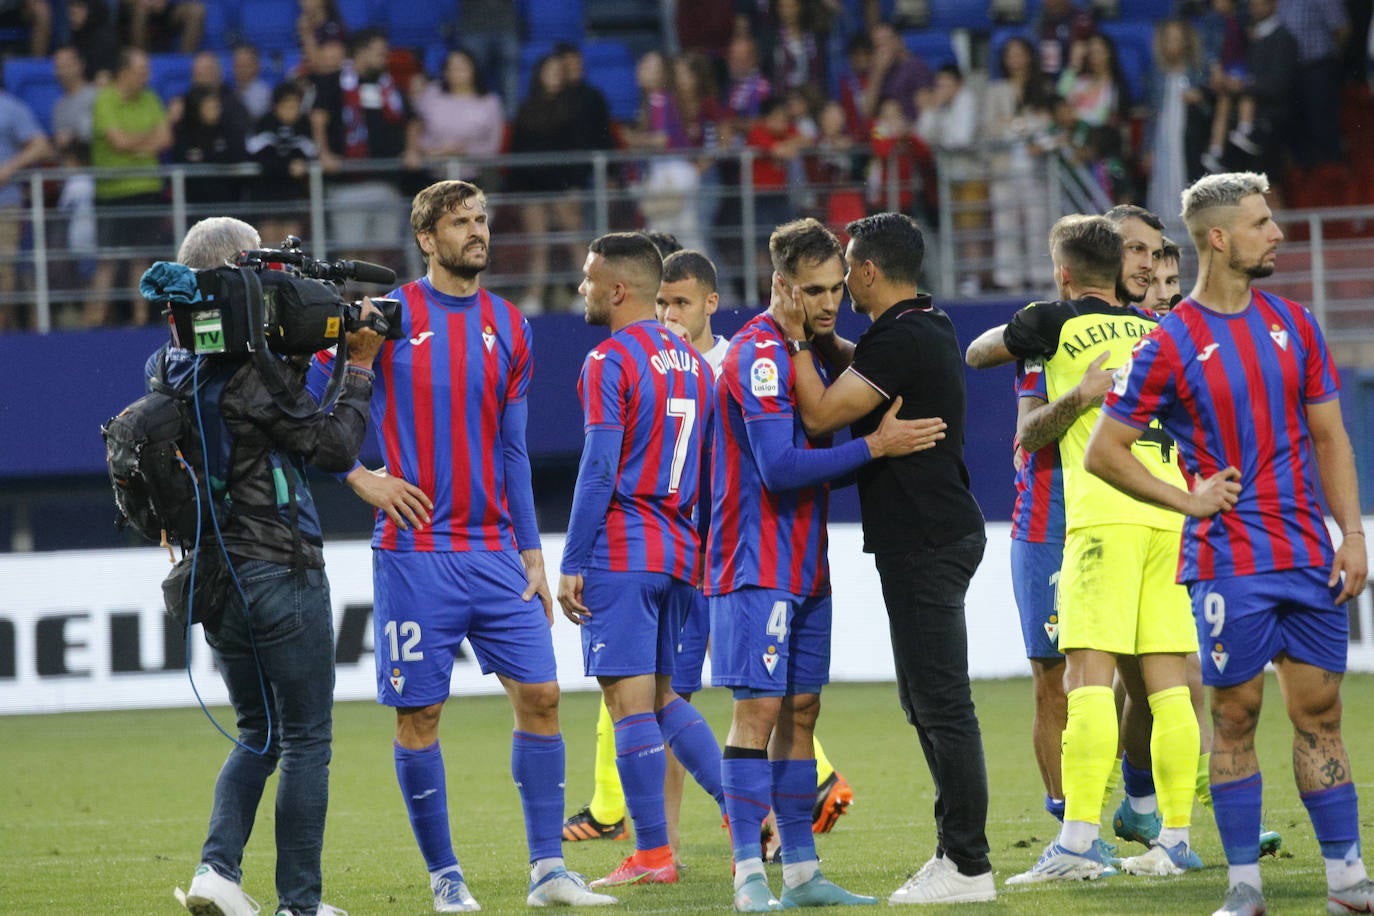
column 437, row 403
column 1065, row 337
column 1233, row 390
column 648, row 383
column 1038, row 516
column 757, row 537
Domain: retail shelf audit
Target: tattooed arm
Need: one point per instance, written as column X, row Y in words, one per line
column 1039, row 423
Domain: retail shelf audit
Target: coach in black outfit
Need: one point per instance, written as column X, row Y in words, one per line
column 920, row 521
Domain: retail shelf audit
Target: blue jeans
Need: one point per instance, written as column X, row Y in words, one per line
column 290, row 623
column 924, row 592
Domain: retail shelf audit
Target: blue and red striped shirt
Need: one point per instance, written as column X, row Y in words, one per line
column 1232, row 390
column 438, row 404
column 652, row 387
column 1038, row 516
column 760, row 537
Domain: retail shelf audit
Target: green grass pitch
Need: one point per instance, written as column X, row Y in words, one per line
column 105, row 812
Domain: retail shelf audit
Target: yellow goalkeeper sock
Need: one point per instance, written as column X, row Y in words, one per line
column 823, row 767
column 1203, row 787
column 608, row 798
column 1089, row 747
column 1173, row 750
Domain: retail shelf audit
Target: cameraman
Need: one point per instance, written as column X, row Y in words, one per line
column 279, row 649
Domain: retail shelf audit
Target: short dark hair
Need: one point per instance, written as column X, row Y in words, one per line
column 770, row 105
column 1122, row 212
column 893, row 242
column 364, row 37
column 1170, row 251
column 1091, row 247
column 665, row 242
column 285, row 89
column 689, row 265
column 635, row 251
column 802, row 241
column 953, row 70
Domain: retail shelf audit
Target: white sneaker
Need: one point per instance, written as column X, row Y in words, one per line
column 939, row 881
column 323, row 909
column 212, row 894
column 451, row 894
column 565, row 888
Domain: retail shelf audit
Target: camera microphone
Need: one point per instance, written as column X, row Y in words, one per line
column 366, row 272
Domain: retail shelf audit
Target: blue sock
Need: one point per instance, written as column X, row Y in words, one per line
column 693, row 742
column 1055, row 806
column 640, row 762
column 747, row 780
column 537, row 763
column 794, row 794
column 1138, row 783
column 1237, row 808
column 1335, row 814
column 421, row 776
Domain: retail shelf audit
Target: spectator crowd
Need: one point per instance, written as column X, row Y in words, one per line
column 843, row 110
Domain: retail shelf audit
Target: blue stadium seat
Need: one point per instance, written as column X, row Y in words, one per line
column 1135, row 49
column 220, row 25
column 415, row 23
column 270, row 24
column 554, row 20
column 611, row 68
column 931, row 45
column 40, row 94
column 170, row 74
column 960, row 14
column 1147, row 10
column 357, row 14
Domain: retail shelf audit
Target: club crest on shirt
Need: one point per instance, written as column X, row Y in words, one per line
column 1052, row 629
column 488, row 337
column 398, row 681
column 1220, row 657
column 763, row 379
column 1279, row 336
column 770, row 660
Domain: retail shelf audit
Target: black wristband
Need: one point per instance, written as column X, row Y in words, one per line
column 796, row 346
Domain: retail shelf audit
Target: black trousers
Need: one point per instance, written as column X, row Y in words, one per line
column 924, row 591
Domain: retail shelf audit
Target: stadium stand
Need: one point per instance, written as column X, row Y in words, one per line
column 553, row 20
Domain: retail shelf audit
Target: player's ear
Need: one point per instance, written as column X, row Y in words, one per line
column 712, row 303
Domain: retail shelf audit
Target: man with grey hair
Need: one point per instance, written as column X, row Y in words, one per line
column 274, row 637
column 1243, row 381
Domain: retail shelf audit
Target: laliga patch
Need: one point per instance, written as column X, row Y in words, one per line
column 763, row 379
column 398, row 681
column 1220, row 657
column 1279, row 336
column 488, row 338
column 1052, row 629
column 770, row 660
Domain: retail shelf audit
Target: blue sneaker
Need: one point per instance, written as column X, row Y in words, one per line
column 821, row 891
column 561, row 887
column 1136, row 828
column 1163, row 860
column 1059, row 864
column 1270, row 842
column 1106, row 852
column 451, row 894
column 754, row 896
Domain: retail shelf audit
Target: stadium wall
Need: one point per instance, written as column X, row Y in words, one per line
column 85, row 630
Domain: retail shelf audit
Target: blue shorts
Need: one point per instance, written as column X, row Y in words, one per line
column 1244, row 622
column 1035, row 583
column 768, row 642
column 426, row 604
column 634, row 624
column 691, row 647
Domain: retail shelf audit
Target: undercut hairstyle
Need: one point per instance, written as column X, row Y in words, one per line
column 1214, row 192
column 1119, row 214
column 1091, row 247
column 802, row 242
column 439, row 198
column 1170, row 250
column 665, row 242
column 215, row 241
column 634, row 257
column 690, row 265
column 893, row 242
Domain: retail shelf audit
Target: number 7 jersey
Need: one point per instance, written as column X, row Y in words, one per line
column 647, row 383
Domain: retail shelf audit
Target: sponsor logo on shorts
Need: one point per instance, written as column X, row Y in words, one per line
column 770, row 659
column 1220, row 657
column 1052, row 629
column 398, row 681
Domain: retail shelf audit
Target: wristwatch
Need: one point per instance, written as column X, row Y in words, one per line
column 796, row 346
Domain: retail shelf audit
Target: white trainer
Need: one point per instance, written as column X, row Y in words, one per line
column 939, row 881
column 565, row 888
column 212, row 894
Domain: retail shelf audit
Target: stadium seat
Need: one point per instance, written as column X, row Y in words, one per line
column 611, row 68
column 220, row 25
column 613, row 15
column 1135, row 49
column 933, row 46
column 170, row 74
column 40, row 94
column 357, row 14
column 959, row 14
column 554, row 20
column 1146, row 10
column 270, row 24
column 416, row 23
